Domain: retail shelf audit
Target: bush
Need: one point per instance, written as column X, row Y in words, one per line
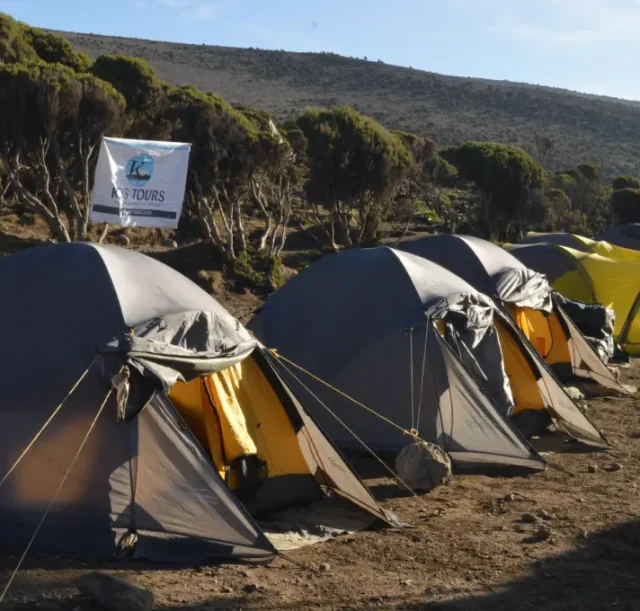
column 625, row 204
column 56, row 50
column 14, row 46
column 625, row 182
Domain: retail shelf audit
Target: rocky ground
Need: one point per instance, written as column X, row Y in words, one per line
column 568, row 538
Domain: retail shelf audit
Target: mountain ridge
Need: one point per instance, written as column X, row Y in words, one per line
column 450, row 109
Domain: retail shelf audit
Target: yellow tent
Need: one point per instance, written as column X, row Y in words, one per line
column 605, row 274
column 582, row 244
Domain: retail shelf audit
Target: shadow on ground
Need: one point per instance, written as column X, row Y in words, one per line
column 602, row 573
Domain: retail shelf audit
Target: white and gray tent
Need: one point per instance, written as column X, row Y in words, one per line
column 626, row 235
column 365, row 321
column 149, row 473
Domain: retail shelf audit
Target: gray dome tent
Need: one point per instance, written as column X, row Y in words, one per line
column 365, row 322
column 148, row 472
column 519, row 289
column 627, row 236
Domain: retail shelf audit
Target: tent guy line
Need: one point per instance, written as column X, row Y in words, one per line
column 355, row 436
column 57, row 492
column 46, row 424
column 411, row 433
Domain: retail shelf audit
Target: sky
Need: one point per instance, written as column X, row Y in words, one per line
column 583, row 45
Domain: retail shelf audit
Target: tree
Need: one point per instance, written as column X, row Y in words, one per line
column 544, row 147
column 51, row 123
column 562, row 180
column 55, row 50
column 590, row 197
column 508, row 179
column 355, row 169
column 591, row 171
column 275, row 178
column 224, row 148
column 625, row 182
column 14, row 46
column 625, row 204
column 145, row 95
column 420, row 196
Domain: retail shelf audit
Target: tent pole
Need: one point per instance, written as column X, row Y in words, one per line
column 630, row 318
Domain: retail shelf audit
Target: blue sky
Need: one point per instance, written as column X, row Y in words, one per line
column 584, row 45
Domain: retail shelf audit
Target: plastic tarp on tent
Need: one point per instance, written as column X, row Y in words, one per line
column 593, row 278
column 526, row 295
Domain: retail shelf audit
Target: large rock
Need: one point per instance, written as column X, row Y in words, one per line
column 424, row 466
column 113, row 594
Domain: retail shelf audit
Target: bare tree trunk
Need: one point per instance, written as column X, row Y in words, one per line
column 104, row 234
column 44, row 207
column 266, row 234
column 259, row 199
column 279, row 247
column 406, row 228
column 243, row 236
column 341, row 220
column 228, row 222
column 332, row 237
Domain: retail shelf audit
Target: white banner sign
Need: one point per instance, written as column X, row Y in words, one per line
column 139, row 183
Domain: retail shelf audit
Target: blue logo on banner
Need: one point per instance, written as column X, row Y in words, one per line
column 140, row 170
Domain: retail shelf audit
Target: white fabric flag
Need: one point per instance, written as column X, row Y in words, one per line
column 140, row 183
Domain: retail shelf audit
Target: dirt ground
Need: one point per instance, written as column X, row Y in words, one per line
column 470, row 548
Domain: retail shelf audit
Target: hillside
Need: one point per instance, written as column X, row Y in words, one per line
column 451, row 110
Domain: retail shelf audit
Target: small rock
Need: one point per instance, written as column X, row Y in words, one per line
column 616, row 466
column 521, row 528
column 581, row 500
column 169, row 243
column 406, row 582
column 226, row 590
column 592, row 468
column 528, row 518
column 325, row 568
column 243, row 573
column 574, row 393
column 545, row 515
column 250, row 588
column 376, row 599
column 113, row 594
column 542, row 534
column 123, row 240
column 512, row 497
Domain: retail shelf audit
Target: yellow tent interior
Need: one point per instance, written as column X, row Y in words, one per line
column 236, row 412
